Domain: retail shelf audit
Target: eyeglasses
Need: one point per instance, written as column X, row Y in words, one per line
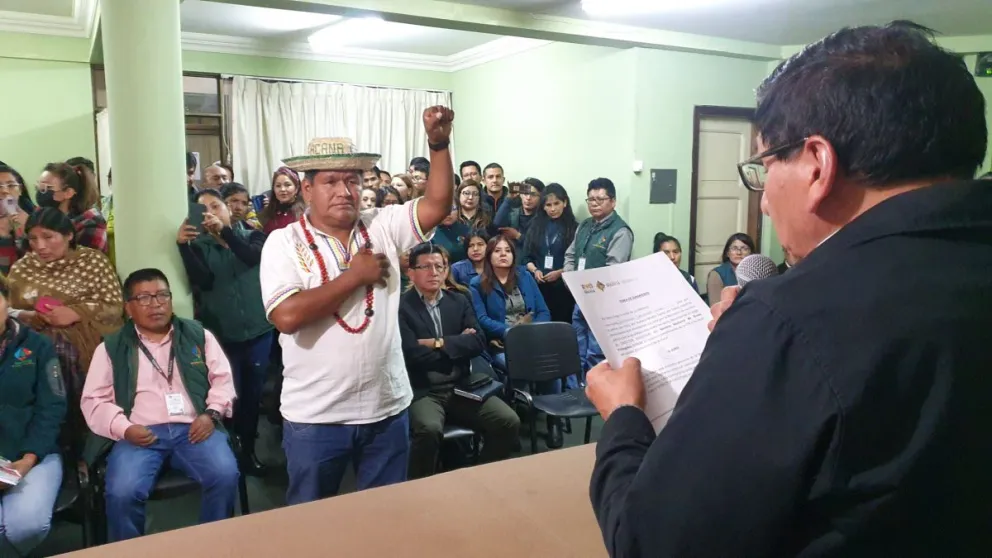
column 469, row 195
column 9, row 186
column 431, row 267
column 146, row 299
column 753, row 171
column 739, row 250
column 597, row 201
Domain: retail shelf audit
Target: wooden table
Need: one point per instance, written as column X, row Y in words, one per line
column 532, row 506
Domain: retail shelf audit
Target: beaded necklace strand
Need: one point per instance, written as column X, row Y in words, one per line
column 325, row 278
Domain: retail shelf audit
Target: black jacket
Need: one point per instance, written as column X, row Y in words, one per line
column 439, row 368
column 841, row 409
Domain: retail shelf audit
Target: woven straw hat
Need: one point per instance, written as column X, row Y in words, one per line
column 324, row 154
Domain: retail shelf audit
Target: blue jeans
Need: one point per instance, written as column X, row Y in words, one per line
column 550, row 387
column 133, row 470
column 317, row 455
column 26, row 509
column 249, row 365
column 590, row 353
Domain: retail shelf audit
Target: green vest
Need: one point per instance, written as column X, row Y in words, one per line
column 232, row 309
column 592, row 240
column 189, row 340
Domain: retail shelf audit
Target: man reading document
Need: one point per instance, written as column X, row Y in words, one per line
column 840, row 409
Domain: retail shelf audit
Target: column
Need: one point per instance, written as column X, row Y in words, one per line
column 142, row 52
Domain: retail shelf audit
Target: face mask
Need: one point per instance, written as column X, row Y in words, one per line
column 46, row 199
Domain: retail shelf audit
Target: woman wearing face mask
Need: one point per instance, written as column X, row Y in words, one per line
column 450, row 235
column 73, row 191
column 673, row 249
column 474, row 245
column 70, row 294
column 738, row 247
column 15, row 206
column 285, row 201
column 369, row 199
column 471, row 212
column 505, row 296
column 548, row 237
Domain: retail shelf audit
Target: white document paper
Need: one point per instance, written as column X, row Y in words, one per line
column 646, row 309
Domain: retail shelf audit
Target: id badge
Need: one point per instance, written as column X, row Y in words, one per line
column 549, row 262
column 174, row 403
column 582, row 264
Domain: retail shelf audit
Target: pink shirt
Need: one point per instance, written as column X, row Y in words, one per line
column 106, row 419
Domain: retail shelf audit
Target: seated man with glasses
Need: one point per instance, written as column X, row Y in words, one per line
column 440, row 337
column 601, row 240
column 157, row 391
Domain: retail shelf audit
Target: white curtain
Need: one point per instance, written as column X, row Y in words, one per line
column 275, row 120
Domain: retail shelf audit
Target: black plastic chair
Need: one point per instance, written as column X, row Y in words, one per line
column 73, row 502
column 454, row 433
column 171, row 483
column 543, row 352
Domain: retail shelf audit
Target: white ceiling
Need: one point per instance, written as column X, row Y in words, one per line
column 277, row 27
column 781, row 22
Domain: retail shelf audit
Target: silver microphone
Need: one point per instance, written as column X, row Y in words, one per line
column 754, row 267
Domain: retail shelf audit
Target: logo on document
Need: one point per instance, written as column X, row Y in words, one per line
column 588, row 288
column 600, row 286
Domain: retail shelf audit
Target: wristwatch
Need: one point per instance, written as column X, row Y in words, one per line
column 214, row 416
column 439, row 344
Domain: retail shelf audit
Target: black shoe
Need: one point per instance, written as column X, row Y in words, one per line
column 251, row 466
column 555, row 437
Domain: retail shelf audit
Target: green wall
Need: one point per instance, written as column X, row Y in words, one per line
column 236, row 64
column 563, row 113
column 570, row 113
column 49, row 114
column 669, row 87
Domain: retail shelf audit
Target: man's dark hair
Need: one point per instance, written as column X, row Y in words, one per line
column 603, row 184
column 232, row 189
column 424, row 249
column 493, row 166
column 534, row 183
column 228, row 168
column 143, row 276
column 210, row 192
column 190, row 160
column 422, row 166
column 893, row 104
column 461, row 167
column 418, row 160
column 77, row 161
column 376, row 170
column 382, row 172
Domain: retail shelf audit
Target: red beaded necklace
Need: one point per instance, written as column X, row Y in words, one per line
column 325, row 278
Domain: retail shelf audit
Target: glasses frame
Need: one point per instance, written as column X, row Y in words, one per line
column 156, row 297
column 431, row 267
column 759, row 160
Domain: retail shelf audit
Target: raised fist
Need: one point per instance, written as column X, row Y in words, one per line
column 437, row 123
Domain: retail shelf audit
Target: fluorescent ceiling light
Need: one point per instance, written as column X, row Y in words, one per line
column 641, row 7
column 348, row 32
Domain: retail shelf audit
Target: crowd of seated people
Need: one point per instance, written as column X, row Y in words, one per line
column 494, row 263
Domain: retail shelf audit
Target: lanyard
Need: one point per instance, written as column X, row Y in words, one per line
column 550, row 240
column 172, row 361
